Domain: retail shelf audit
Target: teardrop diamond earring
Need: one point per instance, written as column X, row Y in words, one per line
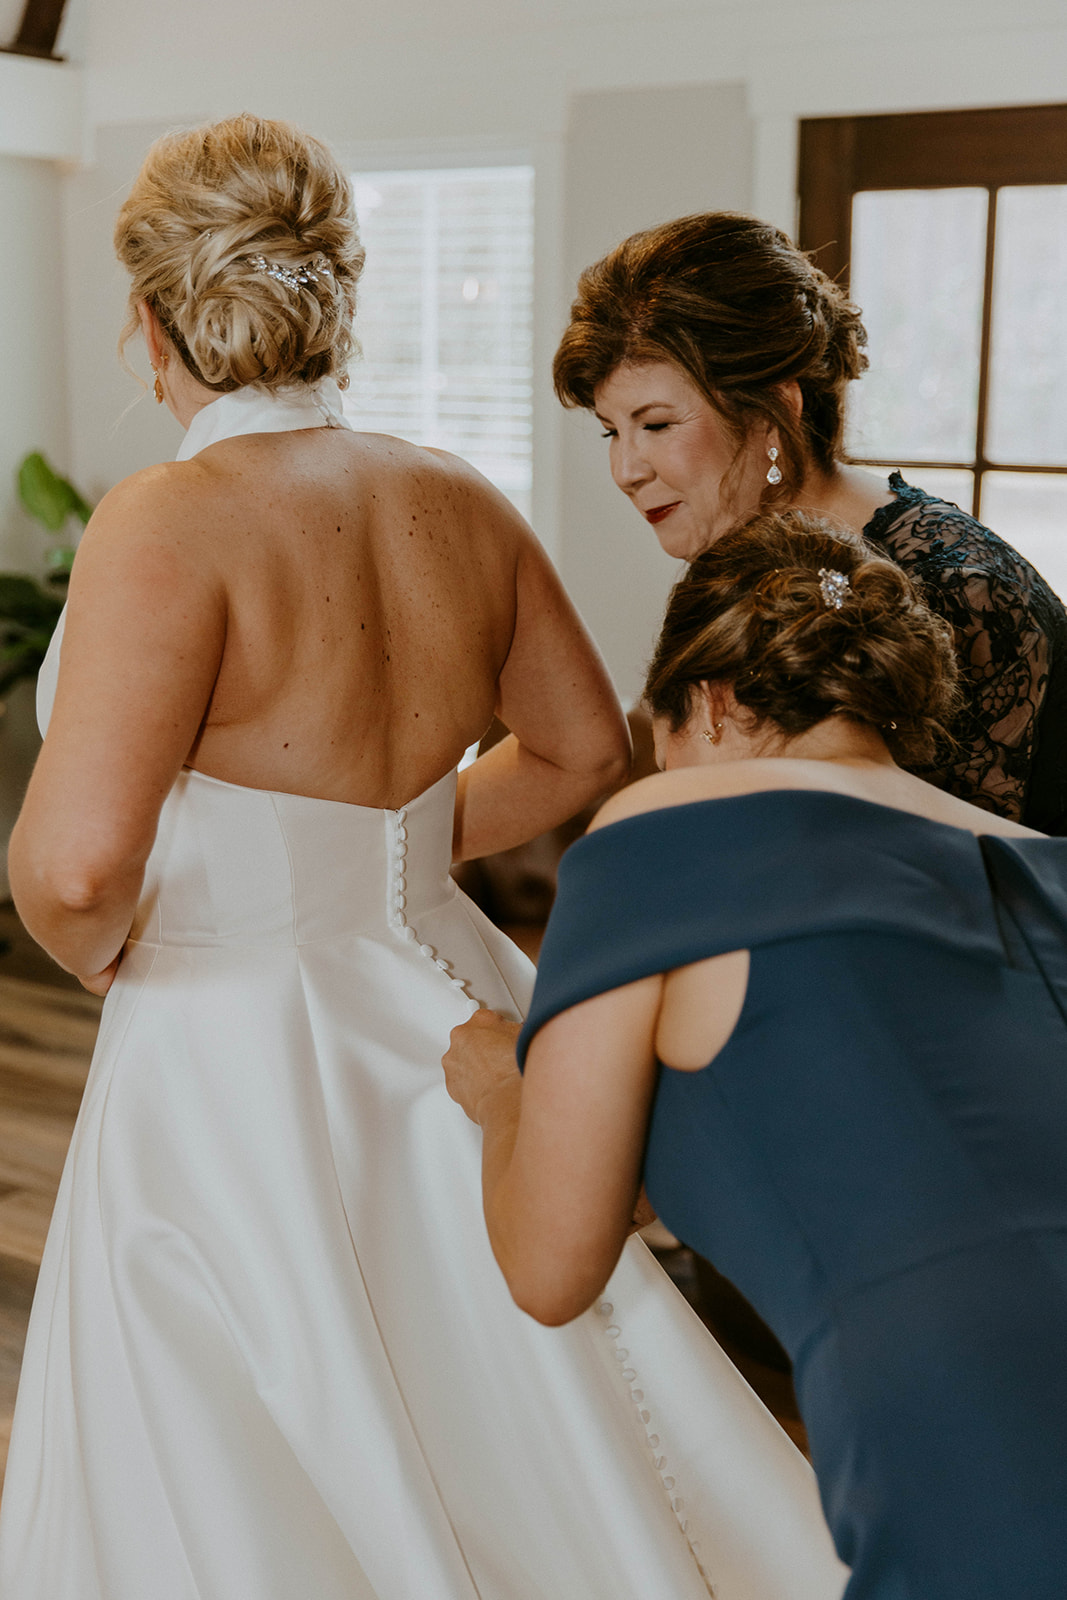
column 774, row 471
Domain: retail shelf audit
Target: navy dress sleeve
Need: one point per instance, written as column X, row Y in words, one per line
column 673, row 886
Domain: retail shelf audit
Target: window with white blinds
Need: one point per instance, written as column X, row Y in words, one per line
column 445, row 315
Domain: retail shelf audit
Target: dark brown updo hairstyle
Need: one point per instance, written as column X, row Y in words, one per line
column 242, row 238
column 733, row 303
column 756, row 612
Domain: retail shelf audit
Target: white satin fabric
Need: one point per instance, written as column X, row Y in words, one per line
column 271, row 1356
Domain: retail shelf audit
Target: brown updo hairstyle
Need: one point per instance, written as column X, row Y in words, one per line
column 210, row 212
column 733, row 303
column 750, row 612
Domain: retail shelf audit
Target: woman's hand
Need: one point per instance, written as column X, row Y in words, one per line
column 480, row 1058
column 100, row 982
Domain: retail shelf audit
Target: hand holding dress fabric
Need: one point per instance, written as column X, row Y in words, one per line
column 481, row 1059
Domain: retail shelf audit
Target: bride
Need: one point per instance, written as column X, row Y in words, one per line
column 271, row 1356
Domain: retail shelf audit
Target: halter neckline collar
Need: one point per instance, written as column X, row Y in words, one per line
column 257, row 410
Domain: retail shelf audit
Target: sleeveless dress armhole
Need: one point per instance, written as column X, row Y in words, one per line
column 673, row 886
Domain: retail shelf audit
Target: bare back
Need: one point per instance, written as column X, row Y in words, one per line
column 371, row 603
column 319, row 612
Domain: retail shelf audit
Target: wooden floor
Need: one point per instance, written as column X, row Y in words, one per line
column 46, row 1040
column 48, row 1026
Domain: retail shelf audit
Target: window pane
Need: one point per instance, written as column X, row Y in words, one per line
column 1028, row 374
column 445, row 316
column 947, row 483
column 1029, row 510
column 918, row 261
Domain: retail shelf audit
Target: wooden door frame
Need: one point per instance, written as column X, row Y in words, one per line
column 991, row 148
column 988, row 148
column 38, row 30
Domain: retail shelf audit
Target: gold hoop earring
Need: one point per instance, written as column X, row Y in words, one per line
column 713, row 734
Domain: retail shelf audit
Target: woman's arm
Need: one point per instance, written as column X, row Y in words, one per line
column 562, row 1152
column 569, row 741
column 1003, row 654
column 144, row 633
column 985, row 591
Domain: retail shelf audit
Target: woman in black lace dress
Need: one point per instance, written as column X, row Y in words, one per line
column 717, row 357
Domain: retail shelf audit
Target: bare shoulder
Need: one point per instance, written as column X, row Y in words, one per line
column 941, row 807
column 428, row 464
column 683, row 786
column 892, row 788
column 446, row 483
column 477, row 489
column 452, row 468
column 160, row 524
column 156, row 490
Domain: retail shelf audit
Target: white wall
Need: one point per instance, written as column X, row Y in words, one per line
column 33, row 411
column 630, row 113
column 116, row 427
column 33, row 342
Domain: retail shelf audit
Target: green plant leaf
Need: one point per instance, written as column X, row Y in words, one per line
column 26, row 604
column 47, row 496
column 58, row 562
column 28, row 616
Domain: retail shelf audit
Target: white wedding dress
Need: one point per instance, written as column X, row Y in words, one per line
column 271, row 1356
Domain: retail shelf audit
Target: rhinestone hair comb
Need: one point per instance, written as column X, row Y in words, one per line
column 833, row 586
column 294, row 278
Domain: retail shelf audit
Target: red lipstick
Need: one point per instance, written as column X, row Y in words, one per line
column 658, row 513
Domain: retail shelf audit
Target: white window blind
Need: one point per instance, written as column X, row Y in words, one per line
column 445, row 315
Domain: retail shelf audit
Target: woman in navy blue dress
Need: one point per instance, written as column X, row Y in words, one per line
column 821, row 1007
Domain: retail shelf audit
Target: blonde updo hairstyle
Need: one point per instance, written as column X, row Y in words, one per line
column 733, row 303
column 751, row 612
column 241, row 237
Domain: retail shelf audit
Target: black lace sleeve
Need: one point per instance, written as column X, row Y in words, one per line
column 1006, row 621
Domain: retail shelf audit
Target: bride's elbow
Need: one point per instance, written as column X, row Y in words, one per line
column 615, row 756
column 59, row 882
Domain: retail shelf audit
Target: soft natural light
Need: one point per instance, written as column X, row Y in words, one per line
column 917, row 262
column 445, row 315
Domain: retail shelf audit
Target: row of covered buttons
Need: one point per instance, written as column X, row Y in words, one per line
column 399, row 902
column 606, row 1312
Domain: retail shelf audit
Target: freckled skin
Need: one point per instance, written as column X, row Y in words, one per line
column 448, row 598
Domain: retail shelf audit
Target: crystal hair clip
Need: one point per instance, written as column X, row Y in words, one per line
column 294, row 278
column 833, row 586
